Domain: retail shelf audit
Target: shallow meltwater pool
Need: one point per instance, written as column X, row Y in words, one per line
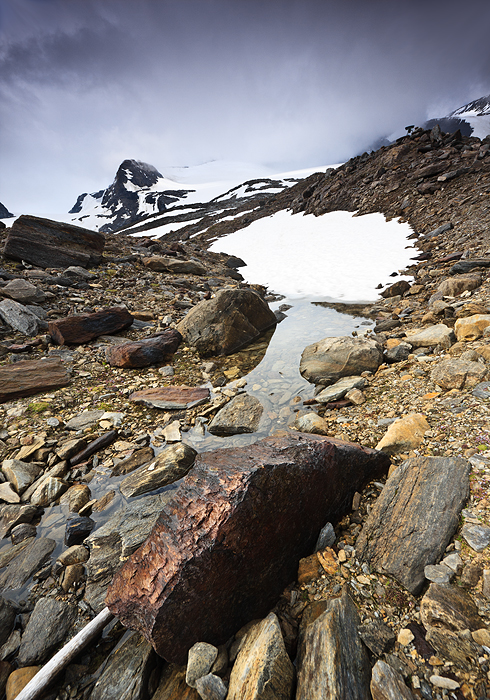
column 276, row 381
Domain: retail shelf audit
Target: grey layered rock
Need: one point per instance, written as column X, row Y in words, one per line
column 388, row 684
column 7, row 619
column 49, row 490
column 340, row 389
column 12, row 515
column 84, row 420
column 326, row 538
column 333, row 661
column 23, row 291
column 226, row 323
column 201, row 658
column 453, row 647
column 241, row 415
column 19, row 317
column 29, row 560
column 48, row 626
column 125, row 677
column 399, row 353
column 449, row 607
column 431, row 336
column 327, row 360
column 455, row 373
column 262, row 668
column 116, row 539
column 414, row 518
column 438, row 573
column 477, row 536
column 20, row 474
column 211, row 687
column 170, row 465
column 22, row 532
column 378, row 637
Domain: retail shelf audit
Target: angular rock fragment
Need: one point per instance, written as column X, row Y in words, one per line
column 47, row 243
column 414, row 518
column 388, row 684
column 20, row 474
column 29, row 377
column 449, row 607
column 170, row 465
column 48, row 626
column 125, row 677
column 404, row 434
column 226, row 323
column 262, row 667
column 241, row 415
column 178, row 267
column 333, row 658
column 19, row 317
column 454, row 286
column 172, row 685
column 144, row 353
column 432, row 336
column 7, row 619
column 82, row 328
column 393, row 290
column 327, row 360
column 340, row 389
column 477, row 536
column 200, row 660
column 455, row 373
column 23, row 292
column 232, row 525
column 171, row 397
column 12, row 515
column 30, row 559
column 471, row 327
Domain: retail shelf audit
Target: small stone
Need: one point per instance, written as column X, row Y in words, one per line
column 73, row 575
column 7, row 493
column 476, row 536
column 482, row 637
column 201, row 658
column 311, row 423
column 211, row 687
column 471, row 575
column 20, row 474
column 378, row 637
column 241, row 415
column 171, row 432
column 356, row 397
column 77, row 530
column 486, row 583
column 405, row 636
column 22, row 532
column 438, row 573
column 167, row 371
column 443, row 682
column 454, row 562
column 404, row 434
column 49, row 490
column 388, row 684
column 18, row 680
column 77, row 554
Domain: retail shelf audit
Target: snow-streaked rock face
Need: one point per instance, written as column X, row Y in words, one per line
column 472, row 119
column 141, row 198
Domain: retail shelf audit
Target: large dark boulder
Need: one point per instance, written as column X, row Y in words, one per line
column 226, row 323
column 47, row 243
column 230, row 539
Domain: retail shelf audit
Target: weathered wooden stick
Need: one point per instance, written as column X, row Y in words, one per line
column 41, row 680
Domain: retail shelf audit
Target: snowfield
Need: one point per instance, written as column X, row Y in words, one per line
column 334, row 256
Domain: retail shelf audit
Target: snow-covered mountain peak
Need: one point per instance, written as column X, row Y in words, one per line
column 477, row 108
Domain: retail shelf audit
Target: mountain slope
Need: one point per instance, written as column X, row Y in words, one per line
column 472, row 119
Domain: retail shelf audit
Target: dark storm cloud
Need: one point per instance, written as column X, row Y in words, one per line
column 85, row 84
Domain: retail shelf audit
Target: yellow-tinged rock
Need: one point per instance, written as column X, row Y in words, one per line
column 431, row 395
column 18, row 680
column 328, row 560
column 392, row 343
column 309, row 569
column 482, row 637
column 471, row 327
column 404, row 434
column 405, row 636
column 484, row 351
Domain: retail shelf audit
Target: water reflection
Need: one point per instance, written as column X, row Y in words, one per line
column 276, row 381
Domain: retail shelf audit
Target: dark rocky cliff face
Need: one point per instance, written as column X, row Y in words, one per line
column 4, row 212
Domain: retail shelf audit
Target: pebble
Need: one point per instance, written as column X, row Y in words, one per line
column 201, row 657
column 438, row 573
column 405, row 636
column 477, row 536
column 443, row 682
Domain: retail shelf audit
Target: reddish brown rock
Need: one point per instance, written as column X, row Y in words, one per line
column 230, row 540
column 47, row 243
column 146, row 352
column 81, row 328
column 29, row 377
column 171, row 397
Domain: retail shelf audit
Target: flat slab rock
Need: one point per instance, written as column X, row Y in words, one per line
column 47, row 243
column 241, row 415
column 29, row 377
column 171, row 397
column 414, row 518
column 234, row 527
column 82, row 328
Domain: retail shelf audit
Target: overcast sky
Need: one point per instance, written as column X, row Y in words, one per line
column 85, row 84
